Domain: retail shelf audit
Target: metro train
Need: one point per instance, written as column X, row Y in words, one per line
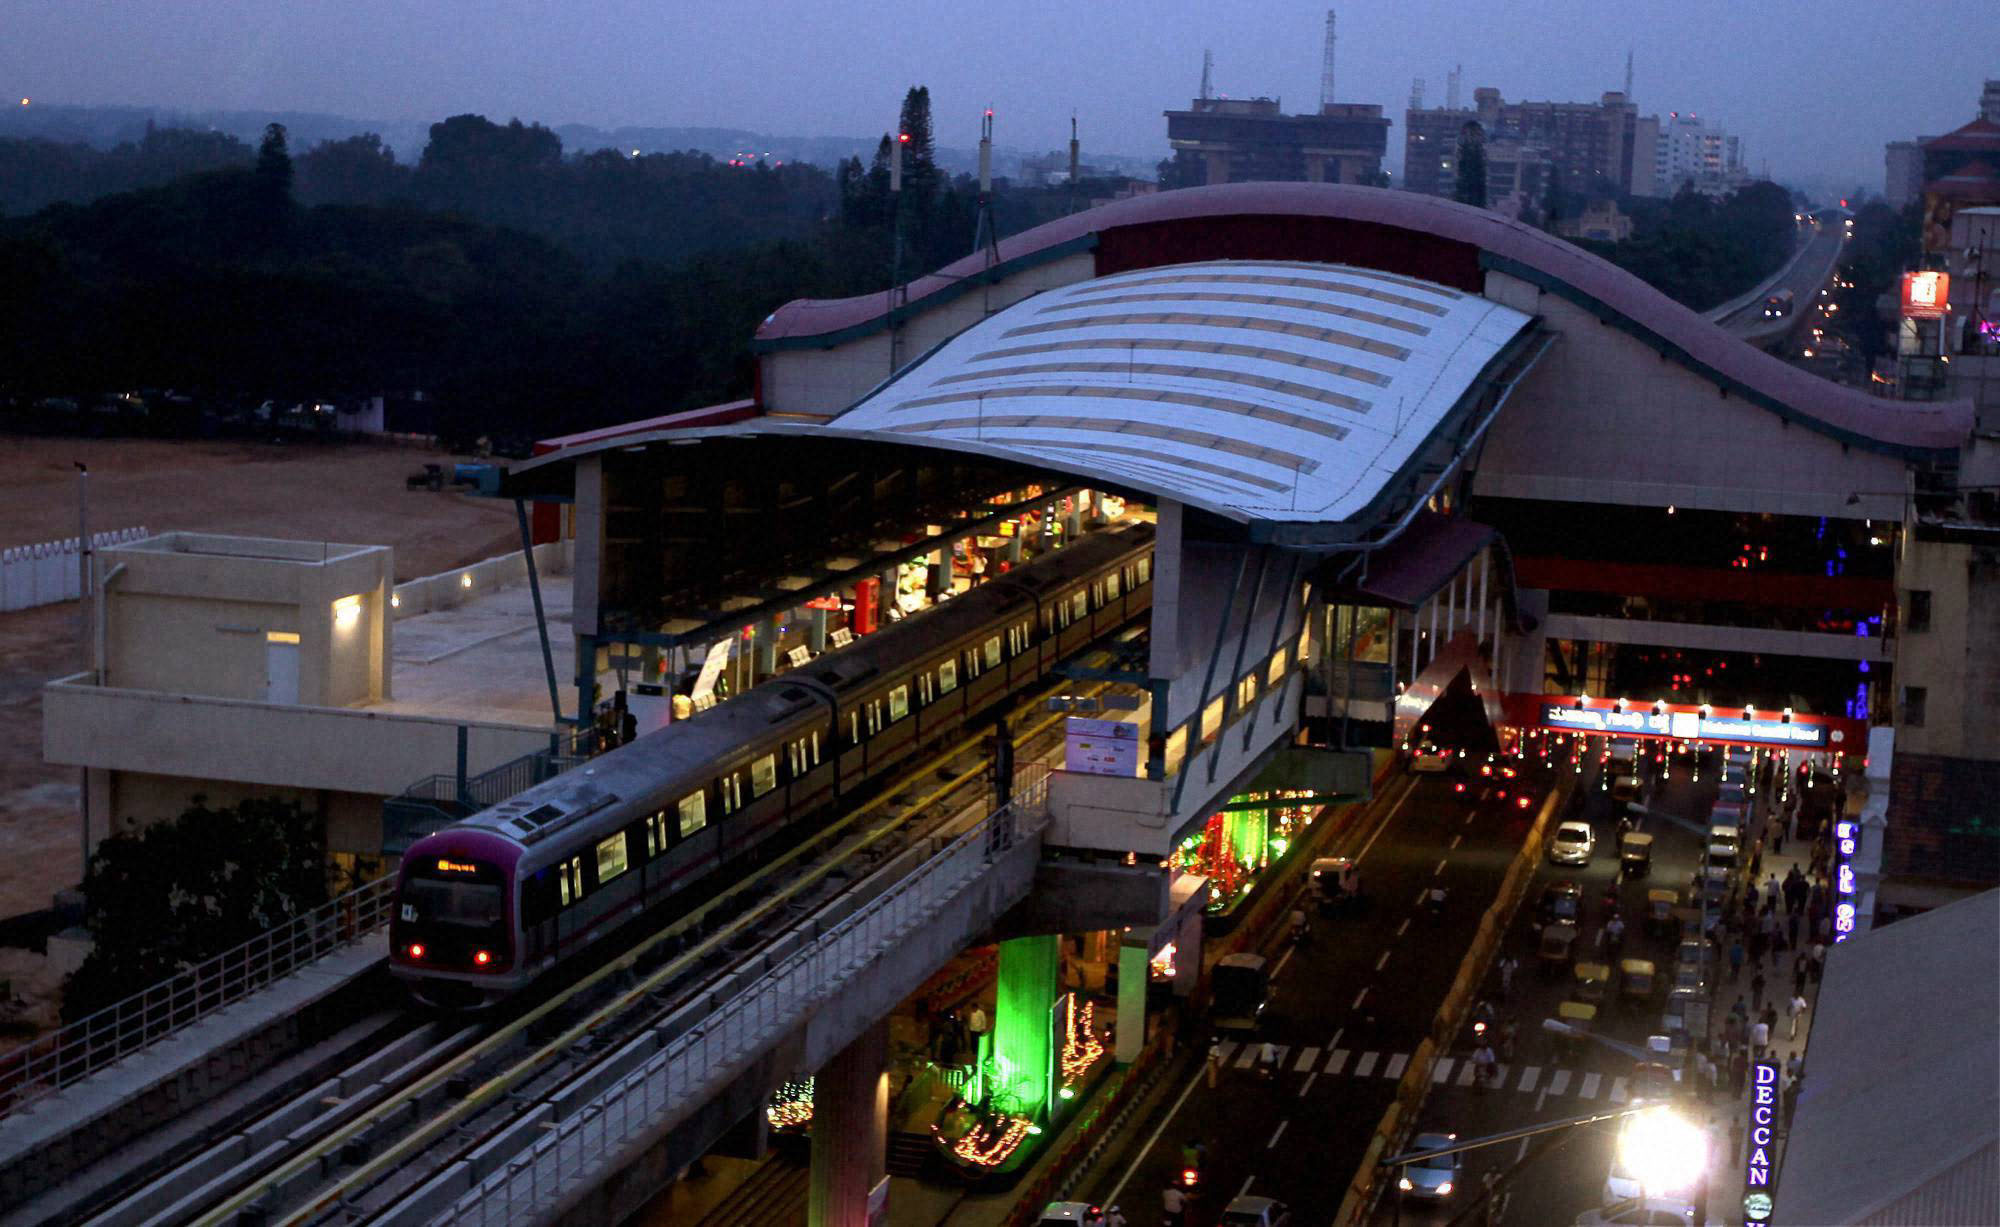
column 487, row 905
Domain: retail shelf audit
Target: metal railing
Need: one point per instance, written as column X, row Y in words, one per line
column 42, row 1067
column 694, row 1065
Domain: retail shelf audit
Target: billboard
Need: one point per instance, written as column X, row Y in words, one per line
column 1100, row 747
column 1926, row 295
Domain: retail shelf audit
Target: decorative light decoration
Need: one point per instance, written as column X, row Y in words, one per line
column 791, row 1105
column 984, row 1145
column 1081, row 1046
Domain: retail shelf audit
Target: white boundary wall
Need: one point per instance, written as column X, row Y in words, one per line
column 44, row 574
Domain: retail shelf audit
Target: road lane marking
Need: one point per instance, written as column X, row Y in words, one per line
column 1338, row 1059
column 1309, row 1083
column 1423, row 895
column 1393, row 811
column 1589, row 1088
column 1307, row 1058
column 1199, row 1077
column 1337, row 1033
column 1394, row 1069
column 1441, row 1072
column 1465, row 1071
column 1522, row 1153
column 1470, row 817
column 1620, row 1091
column 1281, row 962
column 1223, row 1049
column 1404, row 927
column 1438, row 870
column 1455, row 840
column 1245, row 1190
column 1248, row 1057
column 1558, row 1083
column 1529, row 1076
column 1366, row 1065
column 1383, row 961
column 1277, row 1133
column 1540, row 1100
column 1358, row 996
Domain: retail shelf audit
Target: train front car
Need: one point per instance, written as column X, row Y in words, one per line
column 454, row 934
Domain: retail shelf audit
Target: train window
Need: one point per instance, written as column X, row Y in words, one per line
column 972, row 664
column 948, row 676
column 571, row 874
column 610, row 858
column 993, row 651
column 873, row 710
column 763, row 775
column 812, row 749
column 1111, row 587
column 1211, row 720
column 926, row 689
column 1279, row 665
column 731, row 788
column 854, row 728
column 656, row 834
column 1145, row 568
column 1246, row 691
column 693, row 813
column 1079, row 605
column 899, row 703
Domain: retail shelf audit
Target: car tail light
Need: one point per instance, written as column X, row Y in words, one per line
column 416, row 950
column 1525, row 801
column 1190, row 1176
column 1458, row 787
column 1486, row 769
column 481, row 957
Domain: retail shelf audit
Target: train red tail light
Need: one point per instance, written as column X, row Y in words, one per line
column 481, row 957
column 416, row 950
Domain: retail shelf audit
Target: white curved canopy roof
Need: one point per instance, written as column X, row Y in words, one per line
column 1262, row 390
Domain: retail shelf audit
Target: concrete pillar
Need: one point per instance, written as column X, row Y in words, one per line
column 1023, row 1023
column 1165, row 659
column 1484, row 556
column 850, row 1131
column 1450, row 608
column 816, row 631
column 888, row 594
column 1133, row 974
column 765, row 643
column 1434, row 630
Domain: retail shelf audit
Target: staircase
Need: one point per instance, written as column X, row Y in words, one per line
column 909, row 1153
column 775, row 1196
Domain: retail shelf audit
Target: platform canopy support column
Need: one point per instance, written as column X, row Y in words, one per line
column 1024, row 1024
column 850, row 1136
column 1133, row 973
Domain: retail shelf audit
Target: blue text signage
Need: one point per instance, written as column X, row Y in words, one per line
column 1687, row 726
column 1763, row 1129
column 1846, row 835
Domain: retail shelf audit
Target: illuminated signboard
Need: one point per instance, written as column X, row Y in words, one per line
column 1926, row 295
column 456, row 867
column 1686, row 726
column 1846, row 838
column 1763, row 1119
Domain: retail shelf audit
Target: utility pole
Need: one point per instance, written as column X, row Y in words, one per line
column 897, row 294
column 85, row 595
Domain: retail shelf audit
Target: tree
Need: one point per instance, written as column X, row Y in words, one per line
column 358, row 170
column 183, row 891
column 1471, row 187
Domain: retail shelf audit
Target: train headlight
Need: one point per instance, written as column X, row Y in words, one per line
column 416, row 950
column 481, row 957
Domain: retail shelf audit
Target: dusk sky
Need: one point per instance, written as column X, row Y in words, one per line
column 1813, row 88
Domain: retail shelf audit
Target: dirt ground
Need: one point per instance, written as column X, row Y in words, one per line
column 351, row 493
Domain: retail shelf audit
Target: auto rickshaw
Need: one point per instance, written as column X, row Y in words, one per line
column 1579, row 1017
column 1635, row 854
column 1591, row 979
column 1557, row 948
column 1660, row 912
column 1636, row 979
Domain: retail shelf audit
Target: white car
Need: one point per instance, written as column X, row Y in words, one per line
column 1430, row 759
column 1572, row 844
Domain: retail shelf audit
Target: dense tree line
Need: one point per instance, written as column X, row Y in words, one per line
column 1702, row 252
column 1885, row 243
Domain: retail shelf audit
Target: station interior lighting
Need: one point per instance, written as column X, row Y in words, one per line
column 346, row 611
column 465, row 580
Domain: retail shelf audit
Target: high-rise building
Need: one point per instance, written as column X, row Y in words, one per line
column 1903, row 172
column 1693, row 154
column 1594, row 148
column 1230, row 140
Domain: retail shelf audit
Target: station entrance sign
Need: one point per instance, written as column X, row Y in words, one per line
column 1679, row 722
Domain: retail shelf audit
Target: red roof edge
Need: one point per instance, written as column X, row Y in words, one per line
column 709, row 415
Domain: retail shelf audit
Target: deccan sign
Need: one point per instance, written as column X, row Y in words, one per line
column 1763, row 1121
column 1926, row 296
column 1846, row 834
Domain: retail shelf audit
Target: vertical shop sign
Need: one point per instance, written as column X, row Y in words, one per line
column 1763, row 1117
column 1846, row 835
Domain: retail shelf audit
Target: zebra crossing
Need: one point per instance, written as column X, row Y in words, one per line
column 1451, row 1071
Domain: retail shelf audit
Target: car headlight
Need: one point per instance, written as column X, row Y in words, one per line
column 1444, row 1190
column 1405, row 1185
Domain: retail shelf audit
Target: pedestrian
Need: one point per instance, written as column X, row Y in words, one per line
column 1739, row 1071
column 1792, row 927
column 1771, row 893
column 1735, row 959
column 1759, row 941
column 978, row 1024
column 1818, row 960
column 1757, row 989
column 1740, row 1010
column 1798, row 1010
column 1801, row 966
column 1790, row 1101
column 1214, row 1064
column 1706, row 1076
column 1824, row 929
column 1508, row 965
column 1778, row 841
column 1173, row 1204
column 1795, row 1067
column 1760, row 1038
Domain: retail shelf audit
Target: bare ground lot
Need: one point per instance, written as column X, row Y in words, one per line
column 351, row 493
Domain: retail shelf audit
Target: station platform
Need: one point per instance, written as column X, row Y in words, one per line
column 482, row 660
column 167, row 1079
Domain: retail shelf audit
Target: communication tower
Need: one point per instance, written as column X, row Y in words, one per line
column 1326, row 66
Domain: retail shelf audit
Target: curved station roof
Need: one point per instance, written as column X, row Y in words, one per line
column 1259, row 390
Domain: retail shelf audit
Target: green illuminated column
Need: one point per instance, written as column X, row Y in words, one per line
column 1248, row 831
column 1022, row 1037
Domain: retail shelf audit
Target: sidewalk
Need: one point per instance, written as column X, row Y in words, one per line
column 1728, row 1114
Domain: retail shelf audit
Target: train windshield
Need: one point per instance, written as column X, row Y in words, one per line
column 452, row 902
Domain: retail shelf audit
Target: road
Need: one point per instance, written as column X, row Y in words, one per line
column 1347, row 1012
column 1562, row 1174
column 1809, row 272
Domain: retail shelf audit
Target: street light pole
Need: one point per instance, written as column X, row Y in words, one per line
column 85, row 593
